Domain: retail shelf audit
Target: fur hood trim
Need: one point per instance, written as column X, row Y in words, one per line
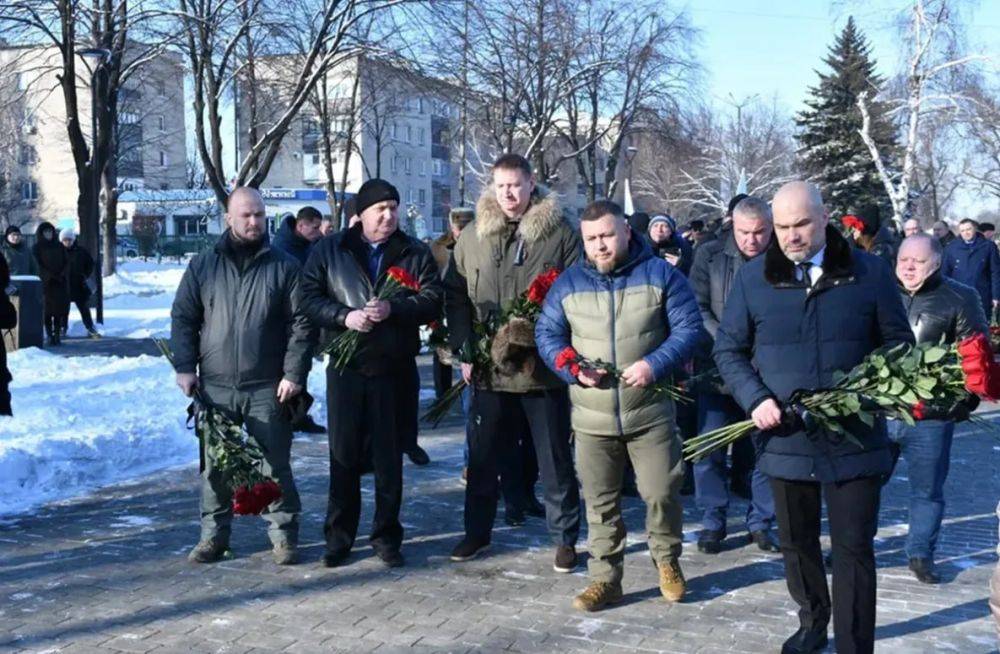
column 543, row 217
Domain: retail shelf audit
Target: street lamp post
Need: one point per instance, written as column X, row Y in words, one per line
column 98, row 58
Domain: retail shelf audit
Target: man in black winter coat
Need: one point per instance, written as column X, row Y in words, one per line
column 81, row 267
column 810, row 307
column 239, row 335
column 297, row 234
column 939, row 310
column 715, row 267
column 53, row 269
column 341, row 281
column 8, row 320
column 19, row 258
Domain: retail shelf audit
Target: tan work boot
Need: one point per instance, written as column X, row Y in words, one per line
column 597, row 595
column 672, row 584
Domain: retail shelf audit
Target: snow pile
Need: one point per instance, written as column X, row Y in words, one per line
column 137, row 300
column 82, row 423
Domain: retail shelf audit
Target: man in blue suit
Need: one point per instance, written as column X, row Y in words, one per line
column 974, row 261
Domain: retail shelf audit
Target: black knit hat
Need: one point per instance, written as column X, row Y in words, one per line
column 374, row 191
column 869, row 215
column 735, row 201
column 11, row 229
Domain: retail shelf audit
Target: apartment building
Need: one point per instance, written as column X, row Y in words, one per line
column 151, row 131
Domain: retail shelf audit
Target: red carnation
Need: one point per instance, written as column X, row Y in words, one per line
column 403, row 278
column 919, row 410
column 539, row 288
column 253, row 501
column 566, row 357
column 853, row 222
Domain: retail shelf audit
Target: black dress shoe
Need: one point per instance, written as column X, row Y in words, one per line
column 710, row 542
column 336, row 559
column 392, row 558
column 765, row 540
column 514, row 517
column 806, row 641
column 418, row 456
column 534, row 508
column 308, row 426
column 924, row 570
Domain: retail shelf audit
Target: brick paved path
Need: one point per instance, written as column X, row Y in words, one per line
column 107, row 573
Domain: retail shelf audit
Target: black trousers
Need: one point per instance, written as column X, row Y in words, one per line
column 84, row 308
column 362, row 429
column 442, row 377
column 852, row 508
column 408, row 405
column 497, row 421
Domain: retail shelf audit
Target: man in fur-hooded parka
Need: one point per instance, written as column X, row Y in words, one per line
column 519, row 232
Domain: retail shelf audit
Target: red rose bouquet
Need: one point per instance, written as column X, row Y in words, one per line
column 569, row 359
column 343, row 346
column 236, row 455
column 908, row 383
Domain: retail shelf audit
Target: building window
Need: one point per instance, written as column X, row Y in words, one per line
column 22, row 81
column 392, row 165
column 163, row 158
column 420, row 105
column 409, row 134
column 437, row 167
column 423, row 136
column 423, row 196
column 423, row 167
column 29, row 191
column 161, row 88
column 190, row 225
column 161, row 123
column 410, row 196
column 27, row 155
column 407, row 165
column 395, row 131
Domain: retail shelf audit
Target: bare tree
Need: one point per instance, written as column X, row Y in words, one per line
column 217, row 34
column 983, row 130
column 14, row 148
column 646, row 61
column 64, row 27
column 935, row 60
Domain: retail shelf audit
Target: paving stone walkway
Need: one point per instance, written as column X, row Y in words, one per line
column 107, row 573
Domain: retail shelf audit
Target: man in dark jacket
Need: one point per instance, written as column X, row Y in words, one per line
column 975, row 262
column 625, row 306
column 342, row 279
column 940, row 310
column 668, row 244
column 519, row 233
column 715, row 267
column 16, row 253
column 81, row 267
column 239, row 335
column 942, row 232
column 53, row 269
column 8, row 320
column 297, row 234
column 810, row 307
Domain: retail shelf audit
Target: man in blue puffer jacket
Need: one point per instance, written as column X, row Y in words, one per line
column 812, row 306
column 636, row 312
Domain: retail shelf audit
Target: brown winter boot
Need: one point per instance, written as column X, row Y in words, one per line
column 672, row 584
column 598, row 595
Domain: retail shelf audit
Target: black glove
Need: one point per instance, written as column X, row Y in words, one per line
column 796, row 417
column 297, row 406
column 961, row 410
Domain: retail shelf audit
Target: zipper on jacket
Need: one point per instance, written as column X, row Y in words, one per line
column 614, row 357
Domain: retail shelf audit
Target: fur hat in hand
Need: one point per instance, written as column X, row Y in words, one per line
column 513, row 349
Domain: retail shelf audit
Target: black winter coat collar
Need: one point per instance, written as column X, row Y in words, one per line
column 395, row 247
column 838, row 264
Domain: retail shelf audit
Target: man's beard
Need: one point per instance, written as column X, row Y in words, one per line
column 604, row 267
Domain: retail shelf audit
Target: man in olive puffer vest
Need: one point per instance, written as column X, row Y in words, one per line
column 635, row 311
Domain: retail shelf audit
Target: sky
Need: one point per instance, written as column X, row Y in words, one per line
column 774, row 47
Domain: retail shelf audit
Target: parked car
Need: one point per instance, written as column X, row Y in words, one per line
column 127, row 247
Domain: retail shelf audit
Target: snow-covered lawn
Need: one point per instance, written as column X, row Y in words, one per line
column 137, row 300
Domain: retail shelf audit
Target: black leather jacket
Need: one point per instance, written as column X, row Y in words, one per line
column 944, row 307
column 335, row 282
column 241, row 327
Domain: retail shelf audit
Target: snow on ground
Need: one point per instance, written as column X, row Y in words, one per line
column 137, row 300
column 86, row 422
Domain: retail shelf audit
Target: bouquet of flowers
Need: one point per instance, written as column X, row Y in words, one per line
column 905, row 382
column 570, row 359
column 343, row 346
column 506, row 343
column 236, row 455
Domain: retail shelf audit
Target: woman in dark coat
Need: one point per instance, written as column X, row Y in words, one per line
column 53, row 268
column 80, row 267
column 8, row 320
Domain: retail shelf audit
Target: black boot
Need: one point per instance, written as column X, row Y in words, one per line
column 924, row 571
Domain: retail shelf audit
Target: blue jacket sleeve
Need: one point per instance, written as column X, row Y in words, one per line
column 683, row 319
column 552, row 333
column 946, row 264
column 734, row 349
column 894, row 328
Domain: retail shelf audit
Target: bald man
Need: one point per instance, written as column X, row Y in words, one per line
column 239, row 336
column 812, row 306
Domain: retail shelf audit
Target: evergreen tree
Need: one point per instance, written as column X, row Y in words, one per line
column 831, row 150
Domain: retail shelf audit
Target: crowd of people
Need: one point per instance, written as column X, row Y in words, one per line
column 778, row 296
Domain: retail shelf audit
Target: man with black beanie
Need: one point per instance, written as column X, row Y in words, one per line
column 16, row 253
column 342, row 279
